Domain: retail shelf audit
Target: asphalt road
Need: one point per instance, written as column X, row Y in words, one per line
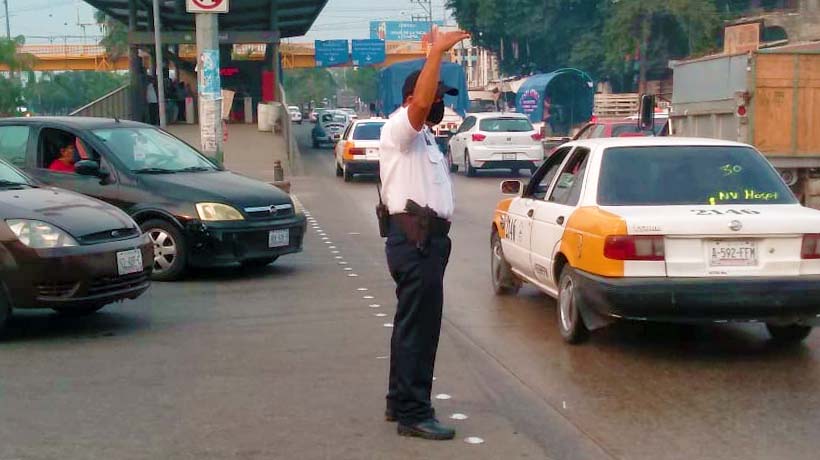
column 288, row 363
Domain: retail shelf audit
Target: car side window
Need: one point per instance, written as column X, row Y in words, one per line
column 585, row 133
column 540, row 183
column 349, row 128
column 568, row 185
column 467, row 125
column 53, row 141
column 14, row 144
column 597, row 132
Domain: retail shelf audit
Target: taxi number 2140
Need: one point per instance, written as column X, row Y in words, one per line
column 511, row 227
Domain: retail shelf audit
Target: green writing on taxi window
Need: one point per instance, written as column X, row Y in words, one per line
column 746, row 195
column 731, row 170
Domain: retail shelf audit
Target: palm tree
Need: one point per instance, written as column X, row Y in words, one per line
column 11, row 57
column 115, row 40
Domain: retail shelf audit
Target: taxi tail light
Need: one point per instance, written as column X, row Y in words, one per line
column 350, row 150
column 537, row 137
column 634, row 248
column 811, row 246
column 479, row 137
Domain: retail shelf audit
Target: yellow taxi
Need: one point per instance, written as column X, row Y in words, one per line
column 660, row 229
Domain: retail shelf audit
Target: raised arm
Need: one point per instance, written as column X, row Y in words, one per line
column 424, row 94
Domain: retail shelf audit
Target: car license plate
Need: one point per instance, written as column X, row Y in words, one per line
column 508, row 156
column 278, row 238
column 372, row 154
column 129, row 262
column 732, row 253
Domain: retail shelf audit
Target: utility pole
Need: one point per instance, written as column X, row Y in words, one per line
column 8, row 21
column 160, row 74
column 427, row 8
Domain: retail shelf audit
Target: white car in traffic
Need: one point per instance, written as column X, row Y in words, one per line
column 295, row 114
column 357, row 152
column 496, row 141
column 661, row 229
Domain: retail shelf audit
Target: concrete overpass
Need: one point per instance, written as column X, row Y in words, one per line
column 60, row 57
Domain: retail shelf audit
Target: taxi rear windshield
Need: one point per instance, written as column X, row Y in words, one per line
column 505, row 125
column 368, row 132
column 653, row 176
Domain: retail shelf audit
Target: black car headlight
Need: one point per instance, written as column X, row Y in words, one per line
column 40, row 235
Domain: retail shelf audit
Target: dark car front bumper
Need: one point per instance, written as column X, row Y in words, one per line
column 74, row 277
column 215, row 244
column 780, row 299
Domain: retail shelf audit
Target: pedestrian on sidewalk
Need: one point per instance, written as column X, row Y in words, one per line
column 153, row 101
column 418, row 195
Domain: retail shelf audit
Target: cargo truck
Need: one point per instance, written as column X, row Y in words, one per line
column 769, row 98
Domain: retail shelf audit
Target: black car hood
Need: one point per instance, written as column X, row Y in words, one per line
column 72, row 212
column 219, row 186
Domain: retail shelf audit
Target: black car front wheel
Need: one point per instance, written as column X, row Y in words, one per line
column 170, row 251
column 792, row 333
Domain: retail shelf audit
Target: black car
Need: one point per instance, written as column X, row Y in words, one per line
column 196, row 213
column 65, row 251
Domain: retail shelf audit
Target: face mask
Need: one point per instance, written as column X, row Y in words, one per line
column 436, row 113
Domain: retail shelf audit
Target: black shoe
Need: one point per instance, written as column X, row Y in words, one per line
column 429, row 429
column 390, row 415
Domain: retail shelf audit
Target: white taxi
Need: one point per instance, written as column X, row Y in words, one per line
column 357, row 152
column 661, row 229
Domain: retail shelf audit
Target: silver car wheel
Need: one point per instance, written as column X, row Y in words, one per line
column 566, row 303
column 165, row 249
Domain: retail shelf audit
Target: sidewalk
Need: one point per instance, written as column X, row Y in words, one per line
column 248, row 151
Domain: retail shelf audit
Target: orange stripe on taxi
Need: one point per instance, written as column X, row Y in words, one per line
column 583, row 241
column 502, row 209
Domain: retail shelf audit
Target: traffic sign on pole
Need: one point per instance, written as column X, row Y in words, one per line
column 368, row 52
column 331, row 53
column 207, row 6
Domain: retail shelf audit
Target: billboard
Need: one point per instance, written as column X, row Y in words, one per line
column 411, row 31
column 368, row 52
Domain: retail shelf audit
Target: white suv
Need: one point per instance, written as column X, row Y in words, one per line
column 496, row 141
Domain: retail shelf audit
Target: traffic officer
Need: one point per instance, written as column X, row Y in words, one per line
column 418, row 195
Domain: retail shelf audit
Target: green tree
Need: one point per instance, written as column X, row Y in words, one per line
column 115, row 38
column 363, row 81
column 61, row 93
column 305, row 85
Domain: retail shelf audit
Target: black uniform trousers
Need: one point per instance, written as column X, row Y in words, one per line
column 419, row 277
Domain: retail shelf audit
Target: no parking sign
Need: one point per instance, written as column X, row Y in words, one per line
column 207, row 6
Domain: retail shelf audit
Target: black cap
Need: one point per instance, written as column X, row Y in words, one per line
column 410, row 86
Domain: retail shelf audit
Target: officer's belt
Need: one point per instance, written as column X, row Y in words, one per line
column 412, row 226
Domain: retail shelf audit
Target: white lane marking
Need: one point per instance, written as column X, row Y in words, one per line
column 368, row 297
column 458, row 417
column 388, row 325
column 380, row 315
column 353, row 275
column 362, row 289
column 474, row 440
column 375, row 305
column 443, row 396
column 354, row 234
column 332, row 247
column 382, row 357
column 334, row 252
column 342, row 263
column 339, row 258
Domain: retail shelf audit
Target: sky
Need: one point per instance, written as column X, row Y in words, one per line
column 343, row 19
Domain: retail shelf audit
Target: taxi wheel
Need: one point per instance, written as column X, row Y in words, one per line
column 315, row 144
column 570, row 323
column 348, row 175
column 170, row 253
column 504, row 282
column 339, row 171
column 469, row 171
column 788, row 334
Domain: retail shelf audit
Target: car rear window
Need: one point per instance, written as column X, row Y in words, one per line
column 368, row 131
column 672, row 175
column 505, row 125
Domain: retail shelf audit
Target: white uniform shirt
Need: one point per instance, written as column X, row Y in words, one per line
column 413, row 168
column 151, row 94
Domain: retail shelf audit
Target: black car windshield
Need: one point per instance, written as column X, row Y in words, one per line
column 11, row 177
column 505, row 125
column 681, row 175
column 152, row 150
column 368, row 131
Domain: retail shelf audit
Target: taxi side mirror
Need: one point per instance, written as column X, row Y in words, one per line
column 512, row 187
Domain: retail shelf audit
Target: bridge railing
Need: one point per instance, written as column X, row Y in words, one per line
column 63, row 51
column 115, row 104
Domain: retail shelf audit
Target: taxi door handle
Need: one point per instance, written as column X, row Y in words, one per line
column 530, row 213
column 560, row 220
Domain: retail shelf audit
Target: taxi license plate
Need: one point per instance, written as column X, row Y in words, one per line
column 732, row 253
column 278, row 238
column 129, row 262
column 372, row 154
column 508, row 156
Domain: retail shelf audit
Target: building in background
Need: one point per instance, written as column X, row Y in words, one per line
column 481, row 65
